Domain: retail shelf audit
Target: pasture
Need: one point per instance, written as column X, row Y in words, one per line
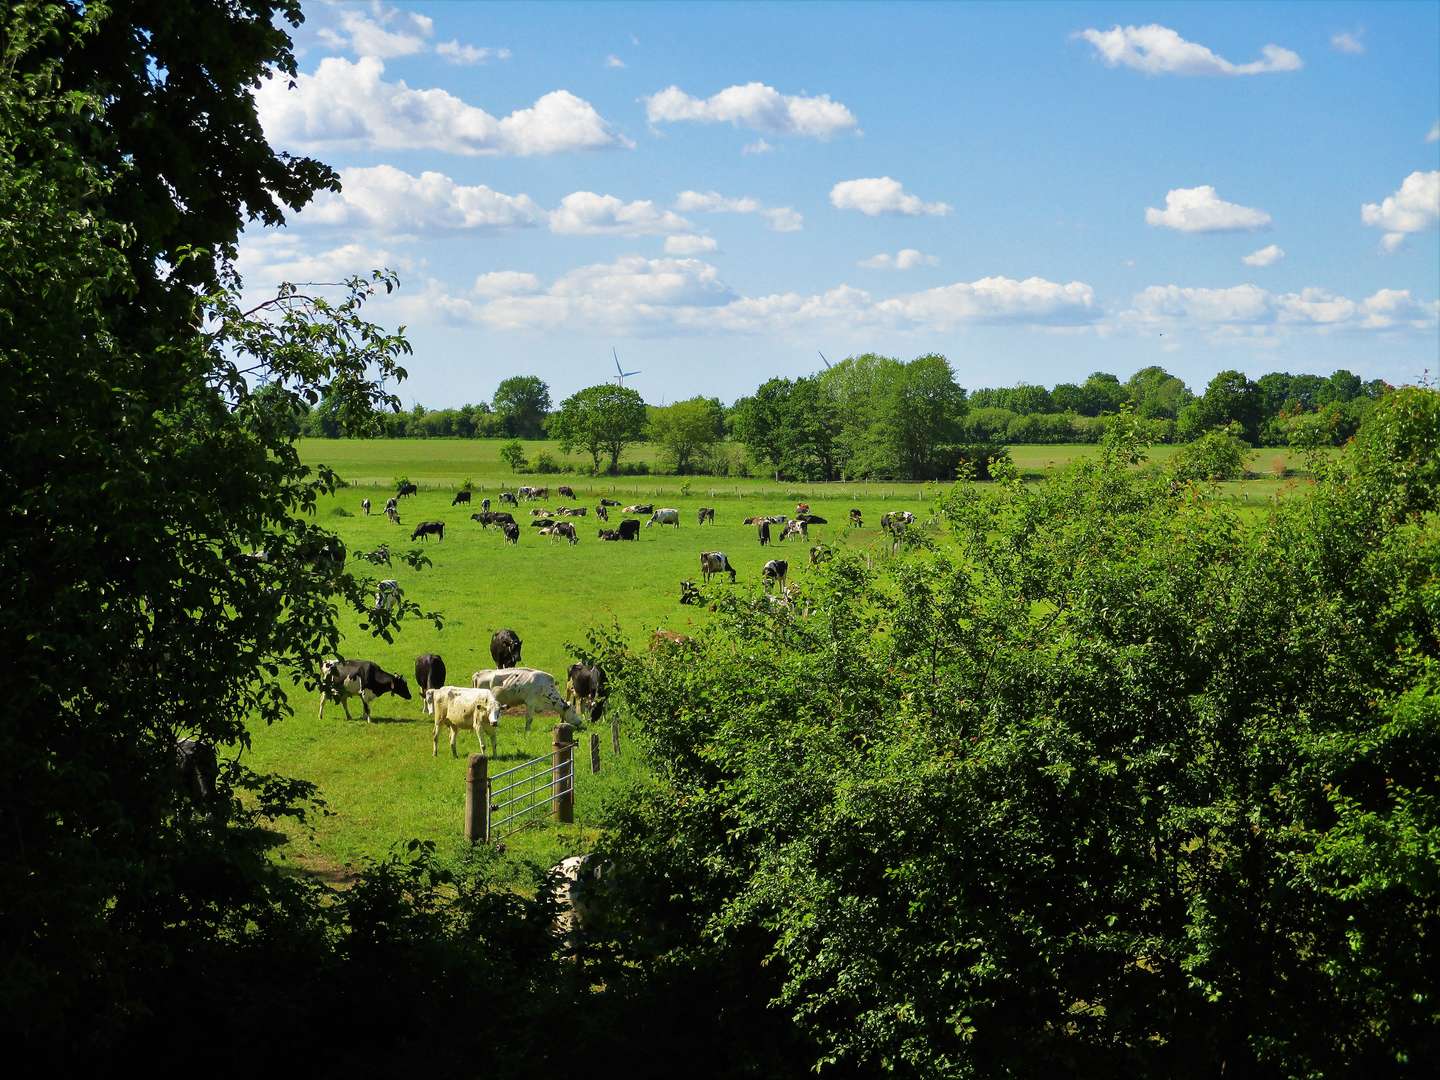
column 379, row 780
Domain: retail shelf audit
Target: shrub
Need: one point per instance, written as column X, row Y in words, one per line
column 975, row 461
column 1217, row 455
column 546, row 464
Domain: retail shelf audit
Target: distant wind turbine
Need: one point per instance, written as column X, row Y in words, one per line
column 620, row 376
column 823, row 360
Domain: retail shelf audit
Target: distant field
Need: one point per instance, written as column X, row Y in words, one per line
column 380, row 780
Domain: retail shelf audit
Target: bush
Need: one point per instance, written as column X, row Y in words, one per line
column 1216, row 455
column 545, row 463
column 975, row 461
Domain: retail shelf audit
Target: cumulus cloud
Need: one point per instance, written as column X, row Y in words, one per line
column 759, row 146
column 1266, row 256
column 1158, row 50
column 391, row 200
column 778, row 218
column 584, row 213
column 1346, row 42
column 1412, row 209
column 881, row 195
column 346, row 105
column 904, row 259
column 613, row 61
column 690, row 244
column 467, row 55
column 505, row 283
column 1241, row 306
column 755, row 106
column 266, row 259
column 1199, row 209
column 1434, row 134
column 383, row 32
column 996, row 299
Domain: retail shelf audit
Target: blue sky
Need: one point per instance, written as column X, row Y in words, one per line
column 1037, row 191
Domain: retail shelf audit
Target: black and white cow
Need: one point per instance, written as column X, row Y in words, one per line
column 609, row 502
column 609, row 534
column 585, row 689
column 567, row 530
column 639, row 508
column 509, row 497
column 365, row 506
column 821, row 553
column 429, row 528
column 689, row 594
column 798, row 527
column 485, row 504
column 388, row 596
column 511, row 531
column 602, row 513
column 715, row 562
column 406, row 489
column 566, row 490
column 429, row 672
column 762, row 528
column 630, row 529
column 857, row 520
column 505, row 648
column 774, row 572
column 666, row 515
column 365, row 679
column 707, row 513
column 460, row 497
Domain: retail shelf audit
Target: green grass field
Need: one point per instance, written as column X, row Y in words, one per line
column 380, row 782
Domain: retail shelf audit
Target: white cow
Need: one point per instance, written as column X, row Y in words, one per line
column 666, row 515
column 455, row 707
column 388, row 595
column 525, row 686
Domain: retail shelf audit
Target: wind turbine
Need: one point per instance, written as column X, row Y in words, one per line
column 823, row 360
column 620, row 376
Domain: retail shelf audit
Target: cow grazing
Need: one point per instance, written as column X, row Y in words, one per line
column 715, row 562
column 429, row 673
column 896, row 519
column 392, row 514
column 566, row 490
column 609, row 502
column 762, row 528
column 391, row 504
column 428, row 528
column 795, row 528
column 602, row 513
column 388, row 596
column 365, row 506
column 666, row 515
column 456, row 707
column 639, row 508
column 365, row 679
column 509, row 496
column 548, row 530
column 821, row 553
column 707, row 513
column 196, row 771
column 511, row 531
column 774, row 572
column 485, row 504
column 406, row 489
column 630, row 529
column 689, row 594
column 526, row 686
column 857, row 520
column 585, row 688
column 567, row 530
column 460, row 497
column 505, row 648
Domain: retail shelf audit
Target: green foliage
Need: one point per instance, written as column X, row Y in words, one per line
column 601, row 420
column 521, row 402
column 513, row 454
column 687, row 432
column 1216, row 455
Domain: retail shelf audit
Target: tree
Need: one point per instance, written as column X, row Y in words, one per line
column 1229, row 398
column 522, row 401
column 600, row 419
column 922, row 419
column 859, row 386
column 513, row 454
column 810, row 425
column 686, row 430
column 760, row 422
column 1157, row 394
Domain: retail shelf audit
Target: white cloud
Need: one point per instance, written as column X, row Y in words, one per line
column 690, row 244
column 1434, row 134
column 456, row 53
column 346, row 105
column 1199, row 209
column 613, row 61
column 779, row 218
column 996, row 299
column 881, row 195
column 384, row 33
column 904, row 259
column 584, row 213
column 1412, row 209
column 759, row 146
column 390, row 200
column 1266, row 256
column 755, row 106
column 265, row 259
column 1346, row 42
column 1241, row 306
column 505, row 283
column 1158, row 50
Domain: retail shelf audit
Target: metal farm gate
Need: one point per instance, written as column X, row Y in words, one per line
column 496, row 806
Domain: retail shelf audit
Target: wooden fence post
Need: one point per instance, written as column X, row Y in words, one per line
column 615, row 736
column 477, row 800
column 594, row 751
column 562, row 758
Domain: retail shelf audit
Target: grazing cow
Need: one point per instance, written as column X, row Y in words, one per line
column 795, row 528
column 485, row 504
column 406, row 489
column 460, row 497
column 509, row 496
column 567, row 530
column 762, row 527
column 365, row 506
column 895, row 519
column 511, row 531
column 774, row 572
column 630, row 529
column 505, row 648
column 525, row 491
column 528, row 492
column 715, row 562
column 707, row 513
column 428, row 528
column 525, row 686
column 196, row 771
column 857, row 520
column 391, row 504
column 454, row 707
column 392, row 514
column 566, row 490
column 609, row 534
column 429, row 673
column 388, row 595
column 365, row 679
column 689, row 594
column 821, row 553
column 500, row 517
column 639, row 508
column 609, row 502
column 666, row 515
column 548, row 530
column 602, row 513
column 585, row 688
column 665, row 639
